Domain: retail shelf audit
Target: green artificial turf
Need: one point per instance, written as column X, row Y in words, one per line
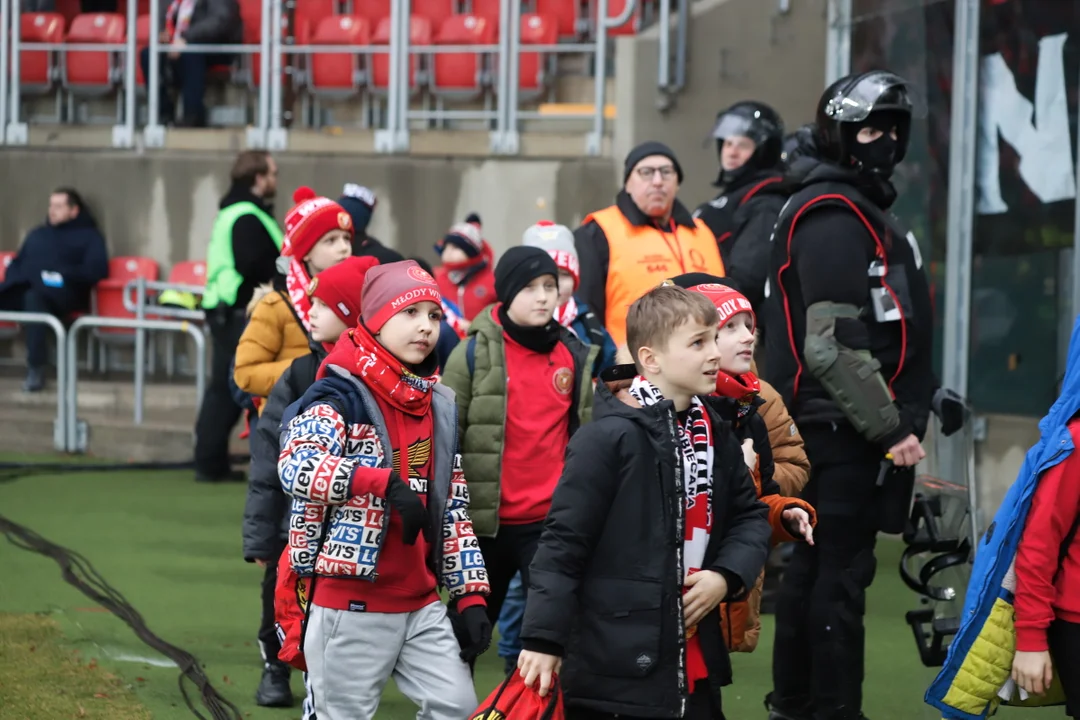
column 172, row 547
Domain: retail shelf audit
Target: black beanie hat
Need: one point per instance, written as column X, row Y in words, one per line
column 518, row 267
column 693, row 279
column 645, row 150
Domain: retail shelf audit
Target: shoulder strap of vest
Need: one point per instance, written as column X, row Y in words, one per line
column 754, row 190
column 232, row 212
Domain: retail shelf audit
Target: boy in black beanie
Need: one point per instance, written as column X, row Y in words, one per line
column 523, row 388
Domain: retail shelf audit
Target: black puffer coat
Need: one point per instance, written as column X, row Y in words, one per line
column 606, row 583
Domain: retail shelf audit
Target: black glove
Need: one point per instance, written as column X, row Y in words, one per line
column 414, row 514
column 950, row 409
column 473, row 632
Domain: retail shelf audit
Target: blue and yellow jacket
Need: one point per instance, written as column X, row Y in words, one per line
column 980, row 657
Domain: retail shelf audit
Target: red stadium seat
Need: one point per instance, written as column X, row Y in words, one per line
column 461, row 74
column 93, row 72
column 108, row 295
column 37, row 68
column 338, row 74
column 532, row 70
column 373, row 10
column 314, row 11
column 489, row 9
column 7, row 329
column 567, row 13
column 70, row 9
column 188, row 272
column 434, row 10
column 419, row 35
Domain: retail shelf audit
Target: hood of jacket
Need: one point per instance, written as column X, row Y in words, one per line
column 257, row 295
column 807, row 170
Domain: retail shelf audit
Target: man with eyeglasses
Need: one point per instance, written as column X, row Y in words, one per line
column 646, row 237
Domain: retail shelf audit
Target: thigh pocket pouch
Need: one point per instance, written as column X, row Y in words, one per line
column 620, row 632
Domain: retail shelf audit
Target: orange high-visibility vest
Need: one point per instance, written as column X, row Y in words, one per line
column 643, row 256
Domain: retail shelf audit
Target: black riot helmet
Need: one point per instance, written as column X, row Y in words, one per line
column 873, row 98
column 801, row 143
column 754, row 120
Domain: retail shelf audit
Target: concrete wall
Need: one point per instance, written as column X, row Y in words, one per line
column 738, row 50
column 162, row 205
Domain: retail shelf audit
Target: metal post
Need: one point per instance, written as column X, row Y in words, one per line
column 682, row 43
column 154, row 133
column 838, row 41
column 511, row 138
column 404, row 39
column 17, row 133
column 276, row 136
column 384, row 137
column 502, row 78
column 963, row 136
column 140, row 348
column 663, row 79
column 124, row 135
column 594, row 141
column 28, row 318
column 4, row 57
column 256, row 136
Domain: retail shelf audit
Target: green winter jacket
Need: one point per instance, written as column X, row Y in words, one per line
column 481, row 401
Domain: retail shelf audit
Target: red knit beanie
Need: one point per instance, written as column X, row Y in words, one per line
column 389, row 289
column 339, row 287
column 729, row 302
column 310, row 219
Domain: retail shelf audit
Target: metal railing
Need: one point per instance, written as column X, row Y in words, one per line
column 77, row 440
column 63, row 357
column 502, row 112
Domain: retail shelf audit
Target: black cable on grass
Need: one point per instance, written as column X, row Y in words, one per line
column 77, row 571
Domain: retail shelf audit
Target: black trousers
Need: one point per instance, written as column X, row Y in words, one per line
column 819, row 647
column 703, row 705
column 268, row 639
column 1064, row 640
column 509, row 552
column 30, row 299
column 218, row 412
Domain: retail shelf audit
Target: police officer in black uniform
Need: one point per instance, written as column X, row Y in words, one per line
column 748, row 138
column 852, row 360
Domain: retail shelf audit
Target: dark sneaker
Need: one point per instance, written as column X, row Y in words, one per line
column 776, row 712
column 274, row 690
column 231, row 476
column 35, row 380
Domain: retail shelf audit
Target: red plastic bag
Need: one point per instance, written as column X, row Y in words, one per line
column 513, row 701
column 290, row 606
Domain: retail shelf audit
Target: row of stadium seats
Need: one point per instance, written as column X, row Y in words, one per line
column 456, row 74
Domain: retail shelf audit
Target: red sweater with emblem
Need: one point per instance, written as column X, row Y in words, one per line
column 539, row 394
column 1046, row 589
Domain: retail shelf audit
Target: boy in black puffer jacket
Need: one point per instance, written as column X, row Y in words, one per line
column 335, row 307
column 654, row 523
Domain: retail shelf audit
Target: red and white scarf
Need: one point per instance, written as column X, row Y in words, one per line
column 567, row 313
column 178, row 18
column 297, row 281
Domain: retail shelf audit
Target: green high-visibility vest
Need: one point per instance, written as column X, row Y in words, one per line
column 222, row 279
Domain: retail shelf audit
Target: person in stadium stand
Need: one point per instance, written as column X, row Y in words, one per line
column 244, row 246
column 852, row 360
column 748, row 138
column 54, row 271
column 647, row 236
column 192, row 22
column 466, row 276
column 360, row 202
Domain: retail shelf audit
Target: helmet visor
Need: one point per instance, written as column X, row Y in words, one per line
column 872, row 92
column 739, row 125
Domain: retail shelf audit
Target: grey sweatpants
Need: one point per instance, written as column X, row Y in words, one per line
column 351, row 655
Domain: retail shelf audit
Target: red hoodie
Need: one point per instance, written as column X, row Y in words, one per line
column 1046, row 589
column 478, row 291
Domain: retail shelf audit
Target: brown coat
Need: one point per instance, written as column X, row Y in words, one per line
column 271, row 341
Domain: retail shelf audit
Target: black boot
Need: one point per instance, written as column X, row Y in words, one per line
column 781, row 711
column 35, row 380
column 274, row 690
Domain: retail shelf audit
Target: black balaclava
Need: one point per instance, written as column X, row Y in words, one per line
column 879, row 157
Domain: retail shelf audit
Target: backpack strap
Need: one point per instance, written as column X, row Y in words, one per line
column 288, row 303
column 593, row 327
column 470, row 355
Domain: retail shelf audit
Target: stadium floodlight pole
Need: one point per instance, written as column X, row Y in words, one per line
column 123, row 136
column 154, row 134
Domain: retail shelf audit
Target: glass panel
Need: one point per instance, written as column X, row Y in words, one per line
column 1024, row 221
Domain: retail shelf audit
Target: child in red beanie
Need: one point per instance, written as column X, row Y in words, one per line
column 466, row 277
column 318, row 235
column 380, row 513
column 335, row 307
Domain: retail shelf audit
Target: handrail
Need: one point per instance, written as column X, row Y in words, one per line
column 132, row 304
column 124, row 135
column 594, row 143
column 60, row 436
column 11, row 129
column 4, row 58
column 75, row 444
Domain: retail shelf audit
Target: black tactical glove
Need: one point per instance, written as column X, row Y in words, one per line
column 414, row 514
column 951, row 410
column 473, row 632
